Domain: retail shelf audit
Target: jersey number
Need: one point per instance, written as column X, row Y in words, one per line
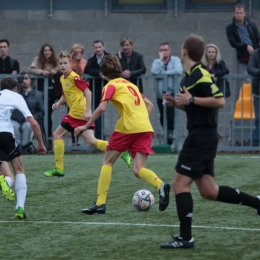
column 134, row 93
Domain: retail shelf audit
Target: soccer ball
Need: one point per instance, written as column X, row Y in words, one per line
column 143, row 200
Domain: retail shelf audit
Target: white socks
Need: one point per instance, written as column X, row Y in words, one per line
column 9, row 181
column 20, row 189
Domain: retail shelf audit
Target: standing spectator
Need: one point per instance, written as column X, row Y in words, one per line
column 34, row 101
column 200, row 99
column 9, row 147
column 93, row 69
column 78, row 65
column 46, row 64
column 132, row 63
column 242, row 35
column 253, row 69
column 170, row 65
column 7, row 64
column 211, row 59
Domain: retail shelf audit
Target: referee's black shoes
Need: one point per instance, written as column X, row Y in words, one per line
column 178, row 242
column 257, row 212
column 164, row 196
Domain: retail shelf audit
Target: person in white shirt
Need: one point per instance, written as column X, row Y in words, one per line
column 9, row 146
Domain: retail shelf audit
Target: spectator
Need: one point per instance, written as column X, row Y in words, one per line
column 93, row 69
column 211, row 59
column 253, row 69
column 34, row 101
column 242, row 35
column 132, row 62
column 170, row 65
column 78, row 65
column 7, row 64
column 46, row 64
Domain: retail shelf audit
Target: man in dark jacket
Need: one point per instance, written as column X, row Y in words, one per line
column 242, row 35
column 132, row 63
column 253, row 69
column 93, row 69
column 34, row 100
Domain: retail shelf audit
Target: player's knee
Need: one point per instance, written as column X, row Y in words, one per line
column 208, row 195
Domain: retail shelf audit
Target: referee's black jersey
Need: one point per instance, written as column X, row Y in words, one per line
column 199, row 83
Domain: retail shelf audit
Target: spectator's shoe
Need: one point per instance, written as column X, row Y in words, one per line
column 127, row 158
column 6, row 190
column 257, row 211
column 20, row 213
column 164, row 196
column 95, row 209
column 179, row 242
column 54, row 172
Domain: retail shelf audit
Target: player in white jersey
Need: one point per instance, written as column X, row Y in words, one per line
column 9, row 146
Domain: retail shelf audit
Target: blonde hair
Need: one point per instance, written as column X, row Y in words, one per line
column 204, row 59
column 75, row 46
column 64, row 54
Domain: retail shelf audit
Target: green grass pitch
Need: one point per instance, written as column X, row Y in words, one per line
column 55, row 228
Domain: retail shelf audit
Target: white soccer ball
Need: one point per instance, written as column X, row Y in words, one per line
column 143, row 200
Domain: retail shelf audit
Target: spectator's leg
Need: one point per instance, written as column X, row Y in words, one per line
column 255, row 137
column 17, row 131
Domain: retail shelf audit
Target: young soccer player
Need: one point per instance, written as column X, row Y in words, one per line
column 200, row 98
column 133, row 131
column 73, row 90
column 9, row 146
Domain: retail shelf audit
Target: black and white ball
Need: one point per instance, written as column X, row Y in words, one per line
column 143, row 200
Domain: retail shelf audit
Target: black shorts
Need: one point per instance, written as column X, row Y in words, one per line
column 9, row 147
column 69, row 128
column 197, row 155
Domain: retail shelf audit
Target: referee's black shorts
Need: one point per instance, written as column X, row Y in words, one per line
column 9, row 147
column 197, row 155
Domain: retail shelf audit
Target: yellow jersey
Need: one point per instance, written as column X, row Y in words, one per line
column 130, row 105
column 73, row 87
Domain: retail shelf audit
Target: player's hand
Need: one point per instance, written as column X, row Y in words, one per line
column 183, row 98
column 55, row 106
column 79, row 129
column 87, row 115
column 41, row 149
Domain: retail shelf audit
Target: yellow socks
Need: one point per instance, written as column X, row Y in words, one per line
column 103, row 184
column 150, row 177
column 102, row 145
column 59, row 153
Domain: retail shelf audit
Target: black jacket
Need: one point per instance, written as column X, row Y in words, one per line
column 253, row 69
column 235, row 41
column 135, row 65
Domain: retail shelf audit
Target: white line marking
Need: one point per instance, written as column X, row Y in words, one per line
column 123, row 224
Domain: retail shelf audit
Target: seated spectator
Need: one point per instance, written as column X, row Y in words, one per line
column 93, row 69
column 46, row 64
column 34, row 100
column 7, row 64
column 78, row 65
column 132, row 62
column 211, row 59
column 253, row 69
column 170, row 65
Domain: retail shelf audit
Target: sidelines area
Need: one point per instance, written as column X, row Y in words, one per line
column 126, row 224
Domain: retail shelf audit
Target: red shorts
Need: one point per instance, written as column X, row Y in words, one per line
column 74, row 122
column 139, row 142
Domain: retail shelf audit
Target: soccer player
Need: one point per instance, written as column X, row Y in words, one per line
column 73, row 90
column 9, row 146
column 133, row 131
column 200, row 98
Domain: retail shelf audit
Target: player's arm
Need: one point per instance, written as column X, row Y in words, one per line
column 88, row 95
column 38, row 135
column 60, row 102
column 149, row 105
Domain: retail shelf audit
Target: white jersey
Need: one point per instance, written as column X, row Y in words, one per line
column 9, row 101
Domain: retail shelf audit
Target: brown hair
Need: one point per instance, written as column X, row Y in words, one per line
column 111, row 67
column 195, row 46
column 42, row 60
column 8, row 83
column 124, row 39
column 239, row 6
column 64, row 54
column 98, row 41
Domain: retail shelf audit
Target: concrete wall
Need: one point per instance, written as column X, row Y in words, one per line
column 28, row 30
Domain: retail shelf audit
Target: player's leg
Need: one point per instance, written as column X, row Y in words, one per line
column 91, row 140
column 58, row 137
column 211, row 191
column 103, row 183
column 20, row 186
column 6, row 181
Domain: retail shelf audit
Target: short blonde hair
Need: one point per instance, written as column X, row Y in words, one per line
column 204, row 58
column 64, row 54
column 76, row 46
